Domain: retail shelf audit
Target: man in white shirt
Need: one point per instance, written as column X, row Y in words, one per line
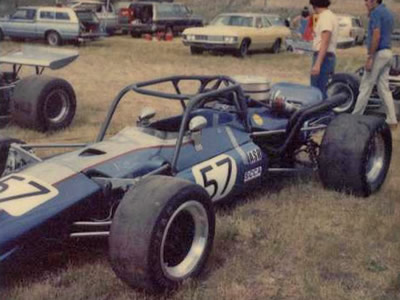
column 324, row 44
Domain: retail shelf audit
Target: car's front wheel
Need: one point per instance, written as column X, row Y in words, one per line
column 243, row 50
column 196, row 50
column 162, row 233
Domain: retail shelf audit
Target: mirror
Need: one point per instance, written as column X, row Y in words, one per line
column 197, row 123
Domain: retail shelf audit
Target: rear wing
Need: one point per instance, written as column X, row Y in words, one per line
column 40, row 58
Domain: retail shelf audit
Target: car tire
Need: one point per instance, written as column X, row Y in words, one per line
column 355, row 154
column 243, row 50
column 1, row 35
column 135, row 34
column 162, row 233
column 53, row 38
column 196, row 50
column 44, row 103
column 344, row 83
column 276, row 47
column 5, row 143
column 290, row 49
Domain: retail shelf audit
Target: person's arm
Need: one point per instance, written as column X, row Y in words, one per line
column 376, row 36
column 325, row 40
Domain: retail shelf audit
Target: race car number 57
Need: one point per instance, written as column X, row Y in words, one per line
column 21, row 193
column 217, row 175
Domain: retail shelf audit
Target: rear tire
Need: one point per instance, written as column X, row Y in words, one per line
column 1, row 35
column 162, row 233
column 355, row 154
column 276, row 47
column 53, row 38
column 347, row 83
column 44, row 103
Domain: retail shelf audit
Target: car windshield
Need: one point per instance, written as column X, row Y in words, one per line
column 242, row 21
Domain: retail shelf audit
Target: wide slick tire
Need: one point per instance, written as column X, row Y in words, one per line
column 344, row 83
column 162, row 233
column 43, row 103
column 355, row 154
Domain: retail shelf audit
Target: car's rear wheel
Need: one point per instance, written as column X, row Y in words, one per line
column 1, row 35
column 162, row 233
column 355, row 154
column 276, row 47
column 44, row 103
column 53, row 38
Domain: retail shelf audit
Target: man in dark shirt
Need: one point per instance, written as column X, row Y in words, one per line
column 379, row 60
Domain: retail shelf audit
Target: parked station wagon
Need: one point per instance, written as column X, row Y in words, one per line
column 238, row 33
column 54, row 24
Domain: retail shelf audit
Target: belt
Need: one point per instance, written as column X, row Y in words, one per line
column 328, row 54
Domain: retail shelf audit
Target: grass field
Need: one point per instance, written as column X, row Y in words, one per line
column 289, row 239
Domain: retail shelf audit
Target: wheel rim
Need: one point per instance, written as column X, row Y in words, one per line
column 57, row 106
column 52, row 39
column 340, row 87
column 375, row 158
column 184, row 240
column 243, row 49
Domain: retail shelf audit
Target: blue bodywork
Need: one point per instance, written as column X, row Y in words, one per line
column 224, row 157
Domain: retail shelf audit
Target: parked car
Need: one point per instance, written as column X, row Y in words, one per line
column 106, row 13
column 40, row 102
column 53, row 24
column 151, row 17
column 237, row 33
column 150, row 188
column 350, row 83
column 351, row 27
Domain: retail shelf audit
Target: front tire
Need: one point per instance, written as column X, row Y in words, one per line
column 243, row 50
column 344, row 83
column 355, row 154
column 196, row 50
column 162, row 233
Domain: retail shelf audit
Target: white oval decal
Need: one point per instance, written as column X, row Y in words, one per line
column 21, row 193
column 217, row 175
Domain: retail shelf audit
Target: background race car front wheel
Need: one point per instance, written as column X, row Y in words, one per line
column 162, row 233
column 355, row 154
column 44, row 103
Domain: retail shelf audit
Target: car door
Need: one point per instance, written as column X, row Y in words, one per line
column 22, row 24
column 269, row 33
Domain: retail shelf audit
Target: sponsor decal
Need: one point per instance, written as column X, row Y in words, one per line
column 258, row 120
column 254, row 156
column 252, row 174
column 20, row 194
column 217, row 175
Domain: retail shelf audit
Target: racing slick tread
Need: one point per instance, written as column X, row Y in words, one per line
column 344, row 153
column 138, row 227
column 27, row 104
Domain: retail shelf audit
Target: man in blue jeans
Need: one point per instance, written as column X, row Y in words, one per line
column 379, row 60
column 324, row 44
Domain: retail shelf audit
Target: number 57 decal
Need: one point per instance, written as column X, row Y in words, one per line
column 20, row 193
column 217, row 175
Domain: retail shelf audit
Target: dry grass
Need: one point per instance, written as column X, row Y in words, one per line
column 290, row 239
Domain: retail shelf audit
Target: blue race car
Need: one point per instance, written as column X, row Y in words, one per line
column 151, row 188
